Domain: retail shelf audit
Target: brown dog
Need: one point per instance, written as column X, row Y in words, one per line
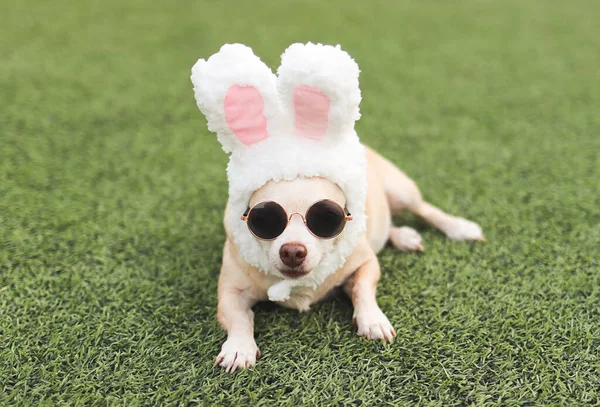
column 309, row 206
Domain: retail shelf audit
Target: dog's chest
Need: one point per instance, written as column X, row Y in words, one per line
column 302, row 298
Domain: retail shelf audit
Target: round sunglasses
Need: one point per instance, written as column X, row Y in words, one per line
column 325, row 219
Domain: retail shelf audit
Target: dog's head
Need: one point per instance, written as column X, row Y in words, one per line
column 296, row 252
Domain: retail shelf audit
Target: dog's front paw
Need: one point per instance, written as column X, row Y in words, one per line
column 464, row 230
column 238, row 353
column 374, row 325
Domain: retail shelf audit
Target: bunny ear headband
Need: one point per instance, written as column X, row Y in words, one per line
column 297, row 124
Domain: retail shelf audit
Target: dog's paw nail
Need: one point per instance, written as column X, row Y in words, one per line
column 218, row 360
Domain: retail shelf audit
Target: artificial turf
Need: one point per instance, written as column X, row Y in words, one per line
column 112, row 192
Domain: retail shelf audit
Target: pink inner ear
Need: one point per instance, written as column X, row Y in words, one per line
column 312, row 112
column 244, row 114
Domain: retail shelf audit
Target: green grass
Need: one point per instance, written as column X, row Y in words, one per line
column 112, row 192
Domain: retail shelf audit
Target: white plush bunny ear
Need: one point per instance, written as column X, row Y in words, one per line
column 237, row 93
column 318, row 88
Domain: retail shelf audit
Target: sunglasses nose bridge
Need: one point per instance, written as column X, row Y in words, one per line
column 296, row 213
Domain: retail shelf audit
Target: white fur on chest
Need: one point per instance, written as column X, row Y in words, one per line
column 299, row 298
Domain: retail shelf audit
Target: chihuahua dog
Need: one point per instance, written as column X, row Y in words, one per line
column 296, row 253
column 309, row 206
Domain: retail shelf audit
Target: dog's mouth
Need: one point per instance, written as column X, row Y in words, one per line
column 294, row 272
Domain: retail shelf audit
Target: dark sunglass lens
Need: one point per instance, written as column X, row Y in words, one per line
column 267, row 220
column 325, row 219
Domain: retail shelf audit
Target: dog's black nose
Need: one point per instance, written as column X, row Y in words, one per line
column 292, row 254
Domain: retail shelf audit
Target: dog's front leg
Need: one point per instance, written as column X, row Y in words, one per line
column 235, row 315
column 368, row 317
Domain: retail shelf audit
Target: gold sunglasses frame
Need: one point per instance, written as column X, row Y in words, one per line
column 347, row 218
